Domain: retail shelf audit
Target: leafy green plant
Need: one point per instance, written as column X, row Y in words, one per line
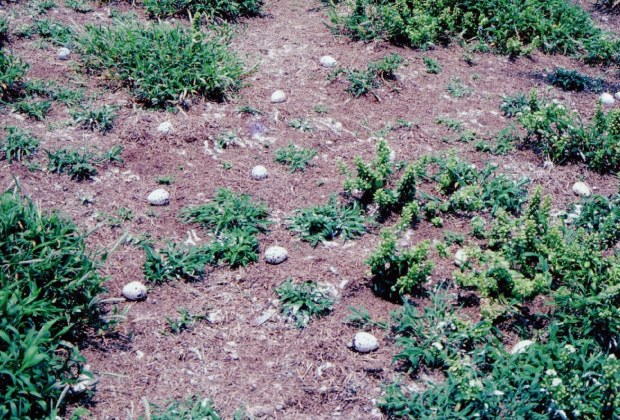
column 432, row 66
column 562, row 136
column 325, row 223
column 56, row 32
column 228, row 139
column 164, row 179
column 366, row 81
column 34, row 109
column 80, row 163
column 295, row 157
column 321, row 109
column 301, row 124
column 80, row 6
column 18, row 144
column 573, row 80
column 301, row 302
column 176, row 262
column 450, row 123
column 504, row 142
column 553, row 26
column 184, row 322
column 396, row 270
column 49, row 287
column 89, row 118
column 161, row 64
column 246, row 109
column 514, row 105
column 191, row 408
column 234, row 220
column 457, row 89
column 478, row 227
column 212, row 9
column 229, row 211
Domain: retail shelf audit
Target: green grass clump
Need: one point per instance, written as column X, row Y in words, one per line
column 191, row 408
column 18, row 145
column 213, row 9
column 11, row 72
column 89, row 118
column 432, row 66
column 366, row 81
column 509, row 27
column 302, row 302
column 295, row 157
column 80, row 164
column 573, row 80
column 48, row 294
column 563, row 137
column 34, row 109
column 176, row 262
column 325, row 223
column 161, row 64
column 234, row 220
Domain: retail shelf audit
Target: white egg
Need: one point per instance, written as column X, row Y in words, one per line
column 165, row 127
column 521, row 346
column 328, row 61
column 365, row 342
column 259, row 172
column 278, row 96
column 617, row 95
column 460, row 258
column 276, row 254
column 607, row 99
column 63, row 53
column 582, row 189
column 159, row 197
column 134, row 291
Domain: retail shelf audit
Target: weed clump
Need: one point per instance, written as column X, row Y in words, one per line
column 302, row 302
column 163, row 65
column 48, row 293
column 212, row 9
column 514, row 28
column 295, row 157
column 325, row 223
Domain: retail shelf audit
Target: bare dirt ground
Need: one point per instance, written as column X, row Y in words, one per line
column 274, row 370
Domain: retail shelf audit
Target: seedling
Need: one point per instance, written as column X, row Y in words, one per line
column 295, row 157
column 80, row 164
column 18, row 145
column 301, row 302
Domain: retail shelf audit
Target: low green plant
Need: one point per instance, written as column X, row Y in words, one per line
column 89, row 118
column 80, row 6
column 164, row 179
column 184, row 322
column 562, row 136
column 572, row 80
column 176, row 262
column 246, row 109
column 228, row 139
column 396, row 270
column 18, row 144
column 80, row 163
column 162, row 64
column 366, row 81
column 325, row 223
column 295, row 157
column 212, row 9
column 503, row 26
column 302, row 302
column 432, row 66
column 450, row 123
column 478, row 227
column 457, row 89
column 34, row 109
column 234, row 220
column 301, row 124
column 49, row 295
column 504, row 142
column 452, row 237
column 321, row 109
column 514, row 105
column 42, row 7
column 229, row 211
column 56, row 32
column 190, row 408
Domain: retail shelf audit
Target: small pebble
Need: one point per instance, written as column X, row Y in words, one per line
column 134, row 291
column 460, row 258
column 365, row 342
column 279, row 96
column 328, row 61
column 259, row 172
column 276, row 255
column 581, row 189
column 165, row 127
column 159, row 197
column 607, row 99
column 63, row 53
